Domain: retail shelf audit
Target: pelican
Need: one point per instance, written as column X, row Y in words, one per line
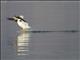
column 23, row 24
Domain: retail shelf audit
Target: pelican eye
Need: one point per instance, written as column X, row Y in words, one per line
column 20, row 20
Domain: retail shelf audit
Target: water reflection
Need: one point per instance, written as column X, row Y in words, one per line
column 22, row 45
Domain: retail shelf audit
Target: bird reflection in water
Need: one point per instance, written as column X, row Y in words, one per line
column 23, row 43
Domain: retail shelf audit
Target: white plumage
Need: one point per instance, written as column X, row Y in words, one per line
column 22, row 24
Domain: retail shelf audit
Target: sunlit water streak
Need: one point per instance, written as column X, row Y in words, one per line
column 22, row 43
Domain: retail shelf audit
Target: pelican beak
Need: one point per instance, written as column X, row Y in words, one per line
column 13, row 19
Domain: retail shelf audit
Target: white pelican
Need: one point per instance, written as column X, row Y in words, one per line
column 23, row 24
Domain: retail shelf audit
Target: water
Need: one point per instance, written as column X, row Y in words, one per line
column 56, row 18
column 40, row 46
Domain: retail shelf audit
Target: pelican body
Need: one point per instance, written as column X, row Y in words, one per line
column 23, row 24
